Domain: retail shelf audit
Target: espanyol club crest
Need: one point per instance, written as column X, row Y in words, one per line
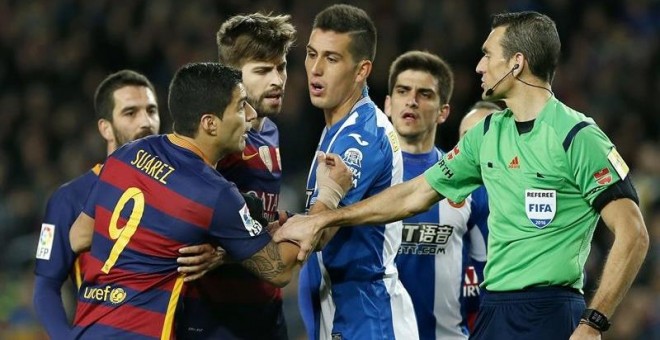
column 540, row 206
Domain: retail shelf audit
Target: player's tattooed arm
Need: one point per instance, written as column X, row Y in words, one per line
column 274, row 262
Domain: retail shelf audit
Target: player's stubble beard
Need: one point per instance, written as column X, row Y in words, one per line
column 265, row 110
column 122, row 139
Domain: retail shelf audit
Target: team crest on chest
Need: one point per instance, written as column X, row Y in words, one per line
column 264, row 154
column 540, row 206
column 353, row 157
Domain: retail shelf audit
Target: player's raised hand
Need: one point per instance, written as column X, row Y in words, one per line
column 333, row 179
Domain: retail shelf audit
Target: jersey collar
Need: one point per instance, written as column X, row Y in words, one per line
column 180, row 142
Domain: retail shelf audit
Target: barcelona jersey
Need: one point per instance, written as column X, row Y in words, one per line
column 55, row 259
column 154, row 196
column 228, row 301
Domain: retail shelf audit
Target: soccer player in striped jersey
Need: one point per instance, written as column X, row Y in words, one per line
column 438, row 244
column 126, row 109
column 161, row 193
column 230, row 301
column 359, row 292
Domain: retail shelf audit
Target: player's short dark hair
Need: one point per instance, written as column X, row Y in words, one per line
column 535, row 36
column 425, row 62
column 104, row 101
column 198, row 89
column 356, row 22
column 254, row 36
column 485, row 105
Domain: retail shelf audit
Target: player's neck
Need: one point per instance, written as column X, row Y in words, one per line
column 417, row 145
column 335, row 114
column 111, row 147
column 258, row 124
column 204, row 148
column 527, row 103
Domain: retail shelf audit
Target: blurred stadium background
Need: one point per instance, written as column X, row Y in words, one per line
column 54, row 53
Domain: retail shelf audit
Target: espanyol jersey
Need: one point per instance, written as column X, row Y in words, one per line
column 541, row 185
column 361, row 296
column 433, row 256
column 154, row 196
column 55, row 259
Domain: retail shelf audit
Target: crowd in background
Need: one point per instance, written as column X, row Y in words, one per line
column 54, row 53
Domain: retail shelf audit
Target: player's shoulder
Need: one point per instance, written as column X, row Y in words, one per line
column 368, row 129
column 129, row 150
column 77, row 187
column 268, row 126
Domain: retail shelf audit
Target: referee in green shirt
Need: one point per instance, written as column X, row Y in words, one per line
column 550, row 173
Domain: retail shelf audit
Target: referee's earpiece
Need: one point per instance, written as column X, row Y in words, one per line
column 490, row 91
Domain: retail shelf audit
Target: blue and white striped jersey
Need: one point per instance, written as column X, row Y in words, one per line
column 435, row 251
column 360, row 295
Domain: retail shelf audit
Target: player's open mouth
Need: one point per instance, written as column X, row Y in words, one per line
column 316, row 88
column 273, row 99
column 409, row 116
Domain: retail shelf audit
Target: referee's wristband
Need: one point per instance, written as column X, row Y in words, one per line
column 595, row 319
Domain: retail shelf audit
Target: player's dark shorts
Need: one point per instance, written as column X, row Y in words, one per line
column 236, row 321
column 536, row 314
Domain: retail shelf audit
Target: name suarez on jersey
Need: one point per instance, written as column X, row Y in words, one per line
column 152, row 166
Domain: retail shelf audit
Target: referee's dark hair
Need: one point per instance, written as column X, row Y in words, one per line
column 535, row 36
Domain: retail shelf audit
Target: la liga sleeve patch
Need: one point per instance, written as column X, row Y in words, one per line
column 46, row 237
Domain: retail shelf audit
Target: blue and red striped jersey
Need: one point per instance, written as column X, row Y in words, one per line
column 258, row 169
column 154, row 196
column 55, row 259
column 229, row 301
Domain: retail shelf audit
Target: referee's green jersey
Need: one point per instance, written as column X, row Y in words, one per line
column 541, row 185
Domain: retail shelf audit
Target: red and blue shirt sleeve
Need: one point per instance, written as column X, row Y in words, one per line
column 234, row 229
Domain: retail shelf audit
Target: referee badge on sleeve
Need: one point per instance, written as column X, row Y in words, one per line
column 618, row 163
column 540, row 206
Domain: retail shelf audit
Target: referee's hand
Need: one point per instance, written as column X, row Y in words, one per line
column 303, row 230
column 584, row 332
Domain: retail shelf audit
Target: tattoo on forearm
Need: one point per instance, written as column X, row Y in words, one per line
column 267, row 262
